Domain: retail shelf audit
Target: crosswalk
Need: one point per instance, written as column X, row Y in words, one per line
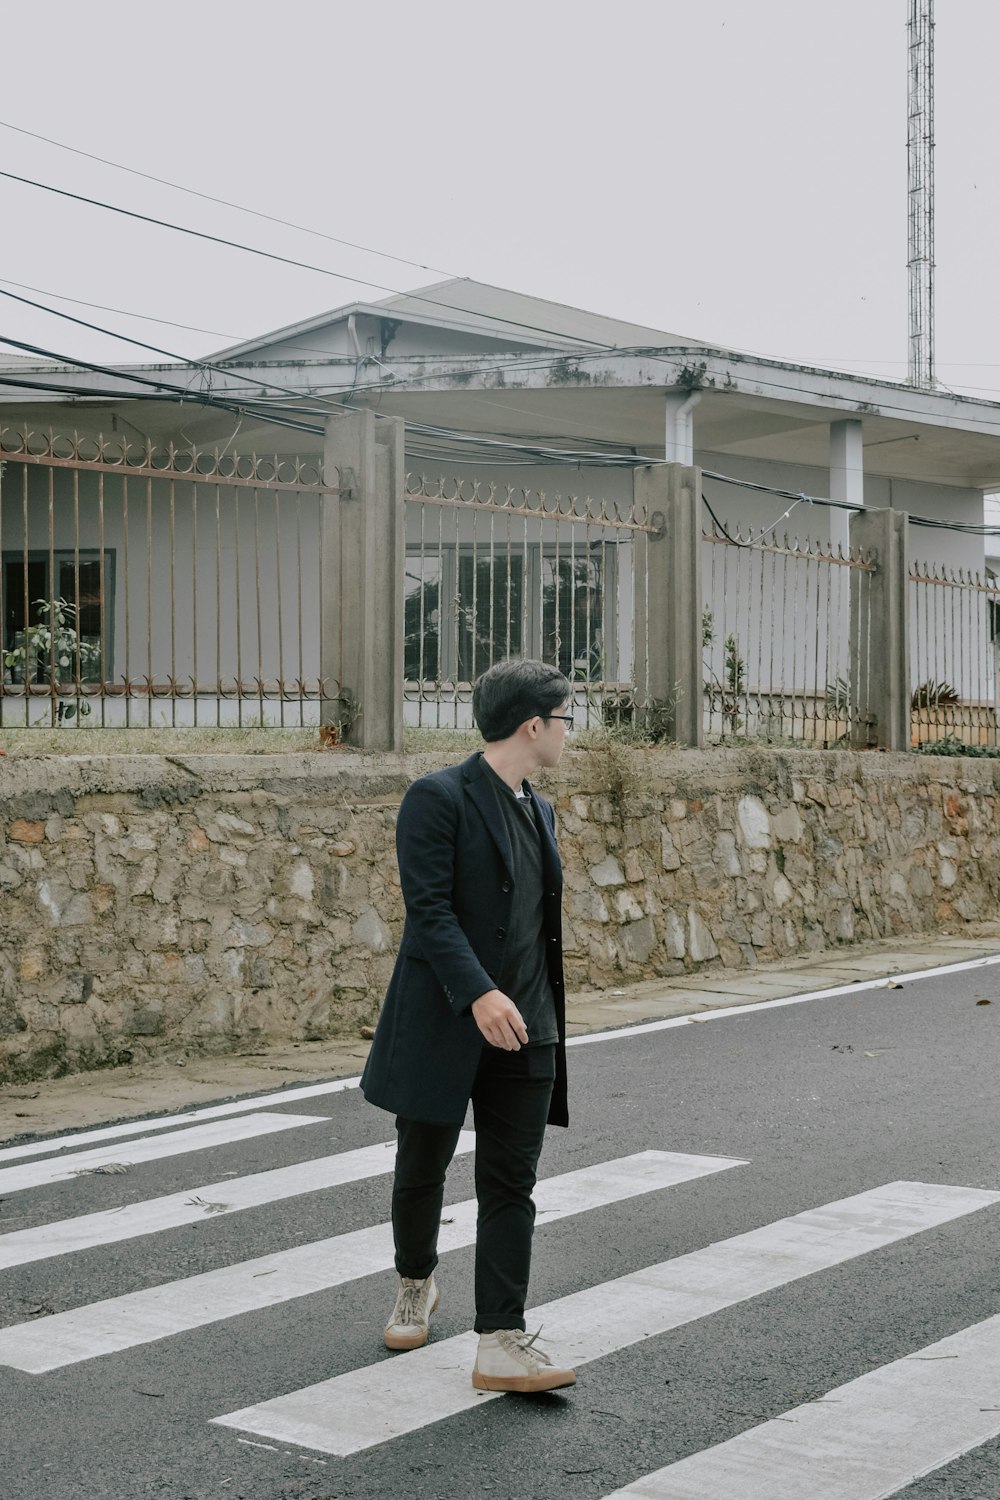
column 868, row 1438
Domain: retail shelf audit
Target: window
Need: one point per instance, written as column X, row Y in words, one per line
column 464, row 609
column 28, row 583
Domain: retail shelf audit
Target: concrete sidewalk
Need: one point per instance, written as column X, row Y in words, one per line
column 189, row 1080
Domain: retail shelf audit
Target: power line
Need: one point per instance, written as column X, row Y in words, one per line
column 206, row 366
column 124, row 312
column 286, row 260
column 152, row 388
column 225, row 203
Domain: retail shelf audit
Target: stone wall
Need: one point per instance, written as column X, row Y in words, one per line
column 156, row 903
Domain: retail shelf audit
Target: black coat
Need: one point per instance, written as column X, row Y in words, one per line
column 455, row 868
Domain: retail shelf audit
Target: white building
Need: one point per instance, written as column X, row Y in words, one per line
column 191, row 585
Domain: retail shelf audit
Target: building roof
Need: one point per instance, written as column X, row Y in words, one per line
column 490, row 311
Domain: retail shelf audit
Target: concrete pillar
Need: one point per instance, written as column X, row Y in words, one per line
column 363, row 554
column 847, row 475
column 668, row 650
column 880, row 661
column 678, row 447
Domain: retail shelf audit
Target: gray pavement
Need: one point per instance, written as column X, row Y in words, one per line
column 185, row 1079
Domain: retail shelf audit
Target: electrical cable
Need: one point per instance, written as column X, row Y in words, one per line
column 835, row 365
column 483, row 445
column 225, row 202
column 156, row 387
column 288, row 260
column 122, row 311
column 202, row 364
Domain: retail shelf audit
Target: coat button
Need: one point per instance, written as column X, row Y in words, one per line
column 501, row 932
column 506, row 886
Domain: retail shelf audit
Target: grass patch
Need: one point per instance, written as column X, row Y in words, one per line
column 157, row 741
column 228, row 741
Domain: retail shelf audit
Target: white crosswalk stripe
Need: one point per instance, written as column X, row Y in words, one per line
column 154, row 1148
column 863, row 1441
column 232, row 1195
column 126, row 1128
column 368, row 1406
column 158, row 1312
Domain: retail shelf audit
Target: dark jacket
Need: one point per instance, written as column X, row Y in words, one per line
column 455, row 870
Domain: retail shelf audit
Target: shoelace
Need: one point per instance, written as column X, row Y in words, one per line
column 406, row 1305
column 526, row 1343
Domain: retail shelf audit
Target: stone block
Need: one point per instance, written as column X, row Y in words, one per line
column 754, row 823
column 371, row 932
column 144, row 1019
column 637, row 940
column 608, row 872
column 669, row 858
column 701, row 944
column 627, row 907
column 787, row 825
column 20, row 831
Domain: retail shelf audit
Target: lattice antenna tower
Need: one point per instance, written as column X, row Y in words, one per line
column 920, row 163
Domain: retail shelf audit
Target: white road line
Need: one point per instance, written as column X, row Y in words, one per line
column 645, row 1027
column 198, row 1138
column 339, row 1085
column 161, row 1311
column 863, row 1441
column 231, row 1195
column 395, row 1396
column 188, row 1117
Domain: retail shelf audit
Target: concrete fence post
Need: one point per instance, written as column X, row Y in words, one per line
column 668, row 649
column 879, row 638
column 362, row 559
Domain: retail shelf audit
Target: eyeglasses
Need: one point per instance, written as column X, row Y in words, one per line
column 566, row 718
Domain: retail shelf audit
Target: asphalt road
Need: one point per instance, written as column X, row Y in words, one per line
column 809, row 1104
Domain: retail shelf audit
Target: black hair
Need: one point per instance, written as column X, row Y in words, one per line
column 511, row 692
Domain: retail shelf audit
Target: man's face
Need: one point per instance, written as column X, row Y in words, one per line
column 552, row 734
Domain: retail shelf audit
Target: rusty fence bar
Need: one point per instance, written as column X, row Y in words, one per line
column 144, row 586
column 494, row 570
column 954, row 624
column 785, row 634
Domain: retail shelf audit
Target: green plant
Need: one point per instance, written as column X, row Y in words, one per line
column 725, row 694
column 54, row 650
column 950, row 746
column 838, row 698
column 932, row 694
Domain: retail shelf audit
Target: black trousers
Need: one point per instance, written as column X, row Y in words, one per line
column 510, row 1103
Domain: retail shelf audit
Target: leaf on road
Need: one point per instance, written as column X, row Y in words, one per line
column 210, row 1208
column 984, row 1002
column 109, row 1169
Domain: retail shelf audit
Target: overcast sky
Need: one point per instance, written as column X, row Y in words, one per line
column 731, row 170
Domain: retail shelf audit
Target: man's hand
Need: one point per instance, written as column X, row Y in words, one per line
column 500, row 1021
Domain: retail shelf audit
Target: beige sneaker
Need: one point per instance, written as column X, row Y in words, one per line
column 508, row 1361
column 410, row 1322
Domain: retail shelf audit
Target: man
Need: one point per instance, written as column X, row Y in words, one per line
column 475, row 1011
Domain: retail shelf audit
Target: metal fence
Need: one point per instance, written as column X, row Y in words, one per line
column 954, row 627
column 147, row 586
column 786, row 634
column 494, row 571
column 157, row 586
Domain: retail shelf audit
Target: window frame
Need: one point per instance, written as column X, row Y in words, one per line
column 54, row 558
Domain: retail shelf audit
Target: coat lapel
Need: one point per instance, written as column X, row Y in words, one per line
column 550, row 851
column 478, row 787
